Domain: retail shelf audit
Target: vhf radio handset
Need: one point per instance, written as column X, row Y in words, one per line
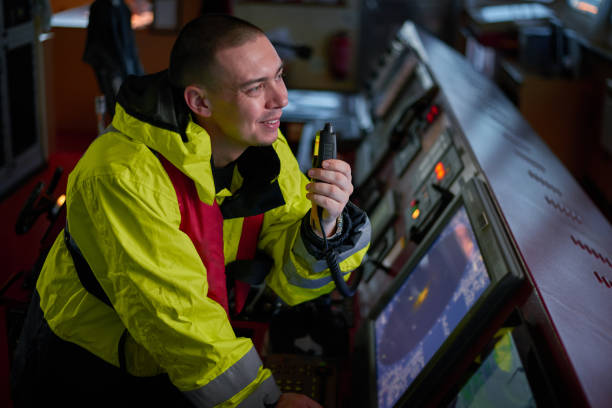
column 324, row 149
column 325, row 145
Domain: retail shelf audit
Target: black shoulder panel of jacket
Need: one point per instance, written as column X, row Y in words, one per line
column 153, row 99
column 354, row 219
column 84, row 272
column 260, row 191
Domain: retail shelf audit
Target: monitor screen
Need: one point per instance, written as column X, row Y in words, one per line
column 441, row 289
column 22, row 98
column 514, row 12
column 500, row 381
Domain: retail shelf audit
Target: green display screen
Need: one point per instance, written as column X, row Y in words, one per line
column 499, row 382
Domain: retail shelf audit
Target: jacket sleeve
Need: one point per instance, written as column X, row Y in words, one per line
column 300, row 272
column 129, row 234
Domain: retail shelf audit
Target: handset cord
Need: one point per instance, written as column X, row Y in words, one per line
column 331, row 257
column 328, row 146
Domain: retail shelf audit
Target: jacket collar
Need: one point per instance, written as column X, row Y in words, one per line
column 150, row 110
column 259, row 167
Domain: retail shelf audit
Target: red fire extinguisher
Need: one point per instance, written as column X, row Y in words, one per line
column 340, row 55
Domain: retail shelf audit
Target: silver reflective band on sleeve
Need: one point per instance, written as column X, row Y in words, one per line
column 297, row 280
column 228, row 384
column 300, row 250
column 267, row 393
column 320, row 265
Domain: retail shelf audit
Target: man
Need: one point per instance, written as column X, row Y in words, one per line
column 131, row 305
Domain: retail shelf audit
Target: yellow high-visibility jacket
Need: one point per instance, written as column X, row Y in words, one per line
column 122, row 212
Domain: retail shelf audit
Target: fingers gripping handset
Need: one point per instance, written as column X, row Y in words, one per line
column 324, row 149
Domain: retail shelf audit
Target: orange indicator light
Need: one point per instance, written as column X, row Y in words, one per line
column 589, row 8
column 440, row 171
column 416, row 213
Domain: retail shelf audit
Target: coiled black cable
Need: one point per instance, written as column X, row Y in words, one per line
column 331, row 257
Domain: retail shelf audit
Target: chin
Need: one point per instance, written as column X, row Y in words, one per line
column 267, row 139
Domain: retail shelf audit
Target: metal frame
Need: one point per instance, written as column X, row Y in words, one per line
column 16, row 167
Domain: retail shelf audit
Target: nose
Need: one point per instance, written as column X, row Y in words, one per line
column 278, row 97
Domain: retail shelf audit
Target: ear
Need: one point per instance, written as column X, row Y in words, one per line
column 196, row 99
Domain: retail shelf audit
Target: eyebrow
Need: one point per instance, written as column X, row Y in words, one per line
column 262, row 79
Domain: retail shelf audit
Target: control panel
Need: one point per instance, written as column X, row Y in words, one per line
column 313, row 376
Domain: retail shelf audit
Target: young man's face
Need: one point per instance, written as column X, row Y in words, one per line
column 247, row 102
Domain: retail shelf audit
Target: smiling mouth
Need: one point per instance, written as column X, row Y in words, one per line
column 274, row 120
column 271, row 122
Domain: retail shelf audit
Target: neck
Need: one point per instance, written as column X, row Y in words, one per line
column 224, row 149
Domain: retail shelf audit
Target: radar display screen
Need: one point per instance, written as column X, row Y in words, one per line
column 427, row 307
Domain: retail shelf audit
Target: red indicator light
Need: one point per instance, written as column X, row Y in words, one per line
column 430, row 117
column 440, row 171
column 435, row 110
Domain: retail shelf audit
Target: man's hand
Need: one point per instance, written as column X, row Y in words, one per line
column 291, row 400
column 330, row 191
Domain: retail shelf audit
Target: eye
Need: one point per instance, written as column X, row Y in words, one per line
column 280, row 75
column 255, row 90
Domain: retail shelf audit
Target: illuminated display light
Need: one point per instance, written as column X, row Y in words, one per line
column 60, row 200
column 433, row 112
column 587, row 6
column 415, row 213
column 440, row 171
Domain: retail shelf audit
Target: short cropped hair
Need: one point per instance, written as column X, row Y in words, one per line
column 192, row 60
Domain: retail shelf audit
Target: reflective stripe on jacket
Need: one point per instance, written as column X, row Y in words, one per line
column 123, row 213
